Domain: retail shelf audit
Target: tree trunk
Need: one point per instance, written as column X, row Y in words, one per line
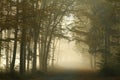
column 22, row 51
column 95, row 61
column 35, row 54
column 41, row 53
column 7, row 50
column 107, row 45
column 0, row 47
column 14, row 51
column 91, row 61
column 39, row 44
column 23, row 40
column 28, row 56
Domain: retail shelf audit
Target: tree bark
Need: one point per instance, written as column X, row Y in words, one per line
column 22, row 51
column 14, row 51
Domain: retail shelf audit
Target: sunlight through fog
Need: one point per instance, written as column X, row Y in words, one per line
column 68, row 58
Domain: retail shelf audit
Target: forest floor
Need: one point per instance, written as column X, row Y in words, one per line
column 63, row 75
column 80, row 75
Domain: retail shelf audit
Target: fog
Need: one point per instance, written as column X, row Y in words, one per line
column 68, row 58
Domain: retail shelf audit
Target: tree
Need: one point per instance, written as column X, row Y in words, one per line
column 32, row 23
column 15, row 40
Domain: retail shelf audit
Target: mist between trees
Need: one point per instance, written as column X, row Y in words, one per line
column 30, row 30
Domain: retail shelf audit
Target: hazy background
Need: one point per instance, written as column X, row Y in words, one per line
column 68, row 58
